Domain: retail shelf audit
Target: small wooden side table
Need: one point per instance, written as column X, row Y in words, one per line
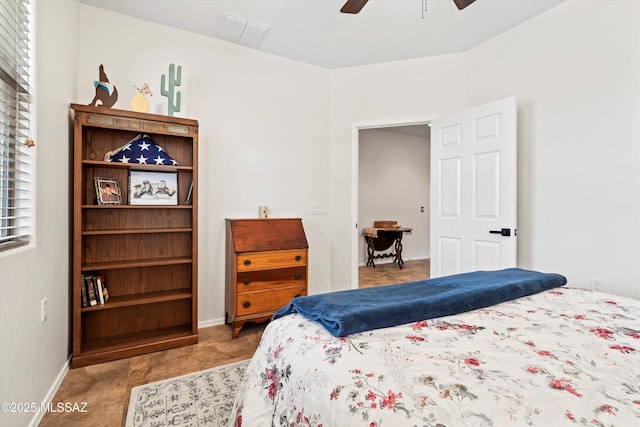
column 381, row 239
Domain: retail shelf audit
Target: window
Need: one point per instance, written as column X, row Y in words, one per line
column 16, row 170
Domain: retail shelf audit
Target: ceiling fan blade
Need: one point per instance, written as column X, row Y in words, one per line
column 463, row 3
column 353, row 6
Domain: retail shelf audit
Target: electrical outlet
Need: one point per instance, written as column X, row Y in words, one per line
column 44, row 313
column 597, row 284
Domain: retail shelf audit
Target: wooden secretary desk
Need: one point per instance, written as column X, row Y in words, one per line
column 266, row 266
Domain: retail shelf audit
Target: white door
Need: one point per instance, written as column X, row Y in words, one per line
column 473, row 189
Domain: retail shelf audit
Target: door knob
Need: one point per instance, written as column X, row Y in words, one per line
column 503, row 232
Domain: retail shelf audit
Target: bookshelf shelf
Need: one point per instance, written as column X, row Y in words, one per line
column 116, row 265
column 137, row 231
column 135, row 166
column 139, row 299
column 188, row 207
column 146, row 255
column 119, row 346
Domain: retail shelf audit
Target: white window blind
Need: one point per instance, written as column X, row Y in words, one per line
column 16, row 169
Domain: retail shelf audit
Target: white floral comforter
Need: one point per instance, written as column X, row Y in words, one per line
column 562, row 357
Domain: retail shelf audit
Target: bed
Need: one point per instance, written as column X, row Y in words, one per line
column 562, row 356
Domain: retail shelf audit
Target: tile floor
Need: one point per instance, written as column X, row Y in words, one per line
column 106, row 386
column 384, row 274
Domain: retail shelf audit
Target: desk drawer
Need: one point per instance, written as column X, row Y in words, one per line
column 261, row 280
column 266, row 301
column 251, row 261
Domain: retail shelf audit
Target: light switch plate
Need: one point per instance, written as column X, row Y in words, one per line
column 318, row 209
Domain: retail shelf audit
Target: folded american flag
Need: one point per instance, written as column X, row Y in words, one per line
column 140, row 150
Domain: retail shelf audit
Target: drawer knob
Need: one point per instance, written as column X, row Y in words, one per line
column 247, row 262
column 246, row 282
column 297, row 276
column 246, row 304
column 298, row 257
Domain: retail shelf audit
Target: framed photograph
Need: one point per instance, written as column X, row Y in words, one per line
column 153, row 188
column 107, row 191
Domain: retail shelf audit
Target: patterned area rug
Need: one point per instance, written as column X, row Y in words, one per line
column 203, row 398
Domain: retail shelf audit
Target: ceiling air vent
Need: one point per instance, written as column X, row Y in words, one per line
column 243, row 31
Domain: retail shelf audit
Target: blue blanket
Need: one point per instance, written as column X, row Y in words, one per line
column 347, row 312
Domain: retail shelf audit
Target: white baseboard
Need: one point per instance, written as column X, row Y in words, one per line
column 37, row 417
column 211, row 322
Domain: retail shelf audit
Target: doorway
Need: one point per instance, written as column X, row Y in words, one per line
column 393, row 180
column 478, row 234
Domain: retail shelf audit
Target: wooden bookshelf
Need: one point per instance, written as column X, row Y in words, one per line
column 147, row 254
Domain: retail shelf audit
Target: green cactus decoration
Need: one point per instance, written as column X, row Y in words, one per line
column 170, row 92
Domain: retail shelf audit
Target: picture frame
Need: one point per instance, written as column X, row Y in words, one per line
column 153, row 188
column 107, row 191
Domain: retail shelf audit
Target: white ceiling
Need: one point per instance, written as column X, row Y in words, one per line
column 314, row 31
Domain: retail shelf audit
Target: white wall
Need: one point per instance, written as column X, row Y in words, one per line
column 575, row 72
column 33, row 356
column 393, row 182
column 263, row 129
column 403, row 92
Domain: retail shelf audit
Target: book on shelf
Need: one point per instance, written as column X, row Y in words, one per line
column 91, row 293
column 187, row 200
column 98, row 284
column 94, row 290
column 83, row 293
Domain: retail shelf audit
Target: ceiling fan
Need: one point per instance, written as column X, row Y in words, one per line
column 355, row 6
